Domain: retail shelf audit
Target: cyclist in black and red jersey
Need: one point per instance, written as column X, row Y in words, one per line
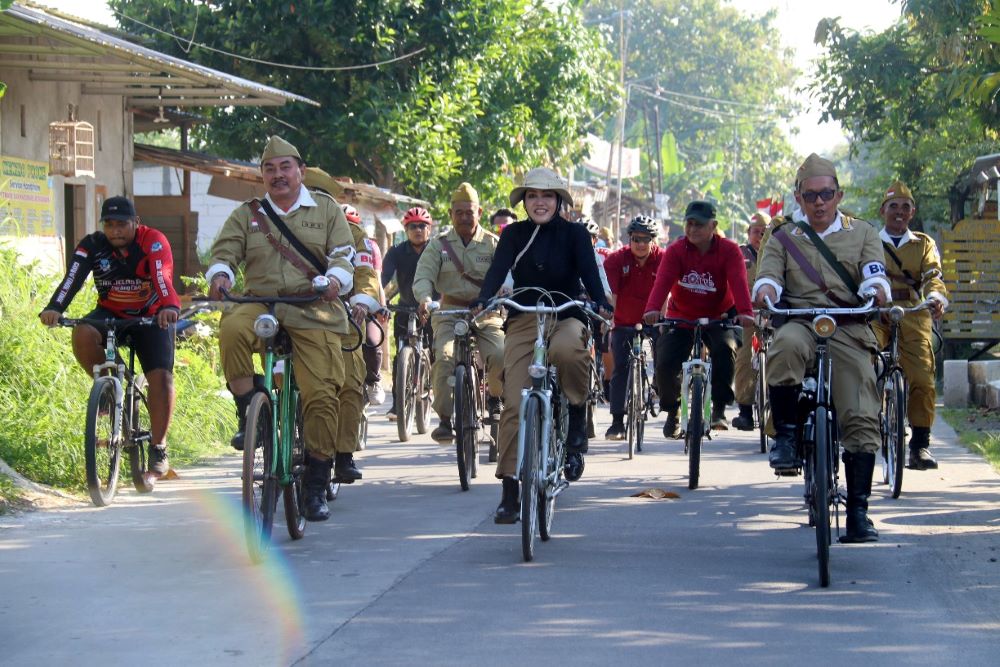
column 133, row 272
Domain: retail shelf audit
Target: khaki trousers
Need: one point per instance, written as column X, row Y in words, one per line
column 568, row 352
column 351, row 402
column 916, row 356
column 490, row 340
column 855, row 398
column 319, row 370
column 745, row 376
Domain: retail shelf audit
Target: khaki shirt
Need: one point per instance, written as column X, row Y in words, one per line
column 436, row 271
column 366, row 279
column 855, row 244
column 321, row 227
column 918, row 254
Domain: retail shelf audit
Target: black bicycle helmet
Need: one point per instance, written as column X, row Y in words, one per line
column 643, row 224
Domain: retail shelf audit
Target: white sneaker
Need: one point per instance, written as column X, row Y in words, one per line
column 376, row 394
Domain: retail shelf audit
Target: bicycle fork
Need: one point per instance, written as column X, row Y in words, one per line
column 690, row 369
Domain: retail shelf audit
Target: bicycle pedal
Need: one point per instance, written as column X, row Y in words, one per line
column 788, row 472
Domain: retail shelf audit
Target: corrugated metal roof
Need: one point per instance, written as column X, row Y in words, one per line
column 52, row 48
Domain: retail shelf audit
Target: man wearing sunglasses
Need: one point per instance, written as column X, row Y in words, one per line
column 455, row 264
column 914, row 266
column 820, row 257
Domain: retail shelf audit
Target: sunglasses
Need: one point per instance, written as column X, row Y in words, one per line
column 418, row 225
column 826, row 195
column 641, row 240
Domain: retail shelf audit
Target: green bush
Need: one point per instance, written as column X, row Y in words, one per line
column 43, row 392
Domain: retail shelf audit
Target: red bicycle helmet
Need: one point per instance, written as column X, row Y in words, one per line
column 417, row 214
column 351, row 214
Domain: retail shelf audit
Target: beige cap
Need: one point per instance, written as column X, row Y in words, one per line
column 465, row 193
column 541, row 178
column 897, row 190
column 278, row 147
column 317, row 178
column 758, row 220
column 814, row 166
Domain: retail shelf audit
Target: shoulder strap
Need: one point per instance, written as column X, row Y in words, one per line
column 824, row 250
column 292, row 239
column 450, row 251
column 807, row 268
column 907, row 276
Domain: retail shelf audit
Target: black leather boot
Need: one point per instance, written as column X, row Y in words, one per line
column 242, row 403
column 784, row 401
column 314, row 483
column 859, row 468
column 920, row 455
column 344, row 469
column 576, row 442
column 744, row 420
column 510, row 502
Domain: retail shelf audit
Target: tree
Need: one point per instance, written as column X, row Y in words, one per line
column 720, row 84
column 471, row 90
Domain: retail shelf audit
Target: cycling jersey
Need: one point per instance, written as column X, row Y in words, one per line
column 136, row 281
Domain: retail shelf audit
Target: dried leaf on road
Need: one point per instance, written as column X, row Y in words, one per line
column 656, row 494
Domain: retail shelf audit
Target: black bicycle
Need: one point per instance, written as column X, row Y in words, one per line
column 641, row 400
column 596, row 394
column 117, row 413
column 762, row 335
column 412, row 390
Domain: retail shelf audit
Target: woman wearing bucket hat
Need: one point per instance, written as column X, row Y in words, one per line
column 546, row 255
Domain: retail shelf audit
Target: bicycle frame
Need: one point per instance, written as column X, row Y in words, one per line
column 286, row 399
column 697, row 366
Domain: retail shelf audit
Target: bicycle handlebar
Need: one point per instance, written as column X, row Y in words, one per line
column 704, row 322
column 896, row 313
column 301, row 298
column 547, row 310
column 109, row 322
column 864, row 309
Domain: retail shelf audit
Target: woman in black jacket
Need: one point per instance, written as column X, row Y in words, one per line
column 546, row 254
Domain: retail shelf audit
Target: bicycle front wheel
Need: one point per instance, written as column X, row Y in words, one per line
column 137, row 434
column 259, row 485
column 294, row 494
column 422, row 402
column 820, row 499
column 762, row 404
column 102, row 450
column 530, row 475
column 695, row 428
column 405, row 392
column 465, row 424
column 894, row 432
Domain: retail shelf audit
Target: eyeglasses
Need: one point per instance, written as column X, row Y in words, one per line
column 418, row 225
column 641, row 240
column 826, row 195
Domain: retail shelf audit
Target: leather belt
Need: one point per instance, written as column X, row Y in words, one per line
column 456, row 303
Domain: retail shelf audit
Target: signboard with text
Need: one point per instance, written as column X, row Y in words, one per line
column 26, row 203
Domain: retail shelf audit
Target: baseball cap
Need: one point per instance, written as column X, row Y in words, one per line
column 117, row 208
column 700, row 211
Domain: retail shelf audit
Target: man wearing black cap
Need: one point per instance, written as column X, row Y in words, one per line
column 133, row 271
column 705, row 276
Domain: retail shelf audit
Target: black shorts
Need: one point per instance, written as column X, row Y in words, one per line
column 154, row 346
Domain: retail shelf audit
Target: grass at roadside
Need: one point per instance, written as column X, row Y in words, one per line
column 10, row 495
column 978, row 429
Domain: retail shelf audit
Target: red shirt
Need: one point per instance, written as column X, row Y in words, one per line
column 603, row 253
column 631, row 283
column 701, row 285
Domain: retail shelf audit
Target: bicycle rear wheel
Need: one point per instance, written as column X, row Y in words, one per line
column 259, row 485
column 821, row 493
column 894, row 432
column 554, row 462
column 294, row 493
column 465, row 424
column 635, row 410
column 137, row 434
column 762, row 404
column 422, row 402
column 529, row 475
column 102, row 450
column 405, row 392
column 695, row 428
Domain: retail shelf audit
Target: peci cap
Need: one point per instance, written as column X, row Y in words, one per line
column 758, row 220
column 465, row 193
column 541, row 178
column 315, row 178
column 700, row 210
column 278, row 147
column 814, row 165
column 897, row 190
column 117, row 208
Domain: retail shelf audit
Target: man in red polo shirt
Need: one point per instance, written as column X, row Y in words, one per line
column 705, row 276
column 631, row 272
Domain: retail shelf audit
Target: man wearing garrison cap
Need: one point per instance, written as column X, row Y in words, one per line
column 455, row 264
column 249, row 238
column 784, row 273
column 914, row 266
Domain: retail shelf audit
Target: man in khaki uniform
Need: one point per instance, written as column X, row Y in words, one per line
column 458, row 274
column 364, row 299
column 858, row 251
column 315, row 329
column 746, row 377
column 914, row 266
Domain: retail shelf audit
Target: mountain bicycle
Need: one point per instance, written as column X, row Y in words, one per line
column 543, row 418
column 641, row 400
column 696, row 404
column 470, row 415
column 894, row 389
column 818, row 436
column 117, row 413
column 412, row 389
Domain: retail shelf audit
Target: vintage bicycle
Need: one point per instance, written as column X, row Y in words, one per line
column 412, row 390
column 761, row 341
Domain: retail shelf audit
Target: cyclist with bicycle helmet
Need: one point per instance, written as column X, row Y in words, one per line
column 401, row 266
column 631, row 273
column 454, row 265
column 545, row 253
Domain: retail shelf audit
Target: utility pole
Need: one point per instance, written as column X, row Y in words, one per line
column 623, row 50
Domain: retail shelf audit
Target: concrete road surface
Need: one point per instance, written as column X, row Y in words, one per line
column 411, row 570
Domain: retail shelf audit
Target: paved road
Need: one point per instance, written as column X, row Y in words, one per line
column 410, row 570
